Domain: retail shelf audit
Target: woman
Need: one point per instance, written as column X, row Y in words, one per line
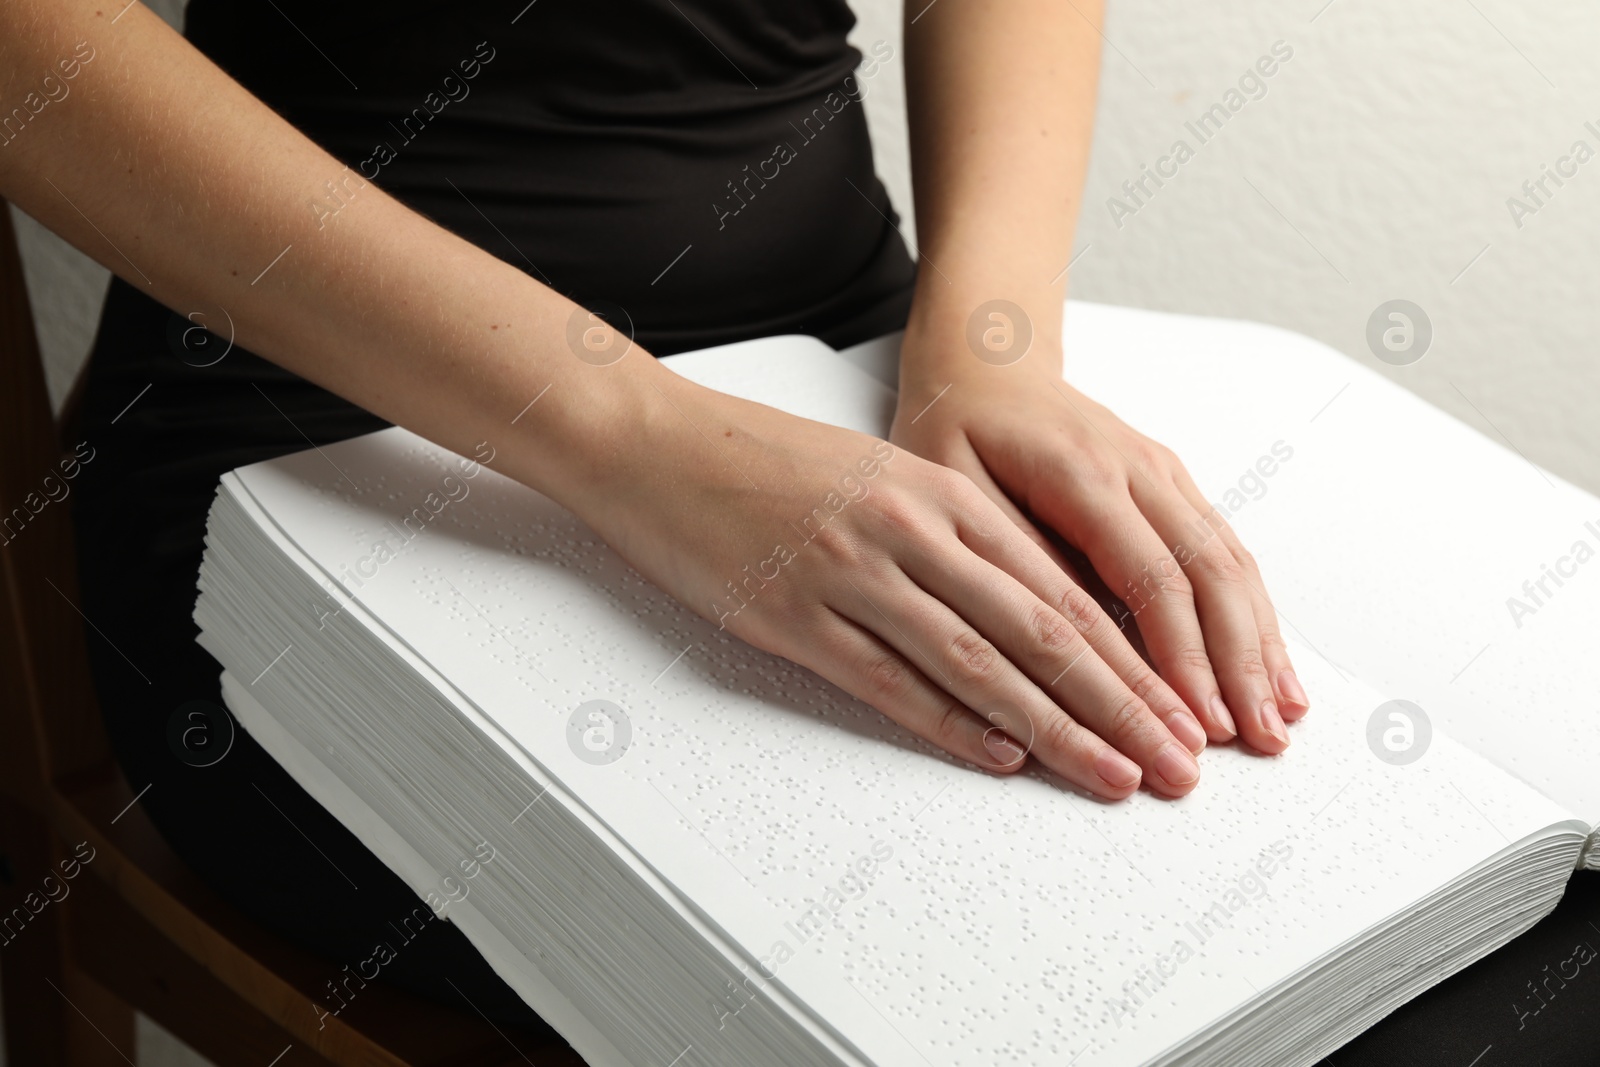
column 401, row 212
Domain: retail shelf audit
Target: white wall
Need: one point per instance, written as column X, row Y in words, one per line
column 1384, row 152
column 1381, row 156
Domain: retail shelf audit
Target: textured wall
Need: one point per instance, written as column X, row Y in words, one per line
column 1377, row 166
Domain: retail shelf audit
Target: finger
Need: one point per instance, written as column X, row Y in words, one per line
column 1137, row 566
column 1226, row 614
column 868, row 669
column 1074, row 606
column 972, row 668
column 1293, row 702
column 1057, row 657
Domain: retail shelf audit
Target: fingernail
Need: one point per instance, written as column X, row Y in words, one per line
column 1186, row 728
column 1115, row 769
column 1290, row 687
column 1219, row 711
column 1005, row 751
column 1271, row 721
column 1176, row 767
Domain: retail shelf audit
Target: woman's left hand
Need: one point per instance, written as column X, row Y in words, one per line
column 1046, row 453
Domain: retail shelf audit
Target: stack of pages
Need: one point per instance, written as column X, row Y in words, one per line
column 705, row 855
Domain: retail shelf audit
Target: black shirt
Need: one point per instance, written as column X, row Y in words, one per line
column 704, row 164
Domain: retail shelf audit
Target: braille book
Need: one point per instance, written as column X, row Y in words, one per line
column 684, row 851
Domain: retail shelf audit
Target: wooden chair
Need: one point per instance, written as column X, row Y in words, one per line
column 136, row 930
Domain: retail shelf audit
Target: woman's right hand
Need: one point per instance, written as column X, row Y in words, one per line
column 896, row 579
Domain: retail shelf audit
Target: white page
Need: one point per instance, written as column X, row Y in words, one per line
column 1009, row 913
column 1392, row 538
column 333, row 793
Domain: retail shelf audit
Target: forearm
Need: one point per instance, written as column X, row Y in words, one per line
column 1001, row 106
column 169, row 173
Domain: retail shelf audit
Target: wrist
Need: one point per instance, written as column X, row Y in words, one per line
column 578, row 439
column 961, row 328
column 987, row 344
column 649, row 434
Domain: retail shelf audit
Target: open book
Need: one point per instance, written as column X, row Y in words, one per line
column 703, row 854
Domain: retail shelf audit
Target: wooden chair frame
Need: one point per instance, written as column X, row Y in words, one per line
column 133, row 929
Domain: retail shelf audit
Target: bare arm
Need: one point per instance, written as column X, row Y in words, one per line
column 1001, row 99
column 168, row 172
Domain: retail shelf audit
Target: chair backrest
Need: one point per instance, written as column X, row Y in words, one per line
column 50, row 727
